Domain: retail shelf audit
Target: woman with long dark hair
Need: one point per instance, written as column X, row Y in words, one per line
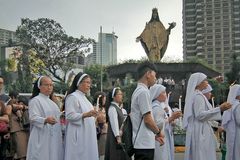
column 19, row 137
column 81, row 137
column 45, row 141
column 99, row 102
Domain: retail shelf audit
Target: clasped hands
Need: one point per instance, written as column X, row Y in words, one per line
column 50, row 120
column 91, row 113
column 160, row 138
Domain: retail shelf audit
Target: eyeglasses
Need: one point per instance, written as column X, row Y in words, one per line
column 47, row 85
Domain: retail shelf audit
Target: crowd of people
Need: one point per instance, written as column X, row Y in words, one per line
column 94, row 130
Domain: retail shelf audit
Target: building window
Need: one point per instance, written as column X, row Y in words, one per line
column 210, row 56
column 209, row 49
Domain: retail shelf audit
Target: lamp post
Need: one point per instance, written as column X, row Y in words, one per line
column 101, row 58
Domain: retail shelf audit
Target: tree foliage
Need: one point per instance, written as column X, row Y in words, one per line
column 94, row 71
column 234, row 74
column 53, row 47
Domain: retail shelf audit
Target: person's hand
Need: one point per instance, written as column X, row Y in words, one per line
column 160, row 139
column 51, row 120
column 220, row 129
column 119, row 140
column 177, row 114
column 161, row 134
column 18, row 106
column 225, row 106
column 92, row 113
column 101, row 117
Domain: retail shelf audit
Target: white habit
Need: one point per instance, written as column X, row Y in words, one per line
column 231, row 124
column 200, row 139
column 45, row 141
column 166, row 151
column 81, row 137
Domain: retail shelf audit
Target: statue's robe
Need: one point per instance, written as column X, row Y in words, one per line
column 153, row 38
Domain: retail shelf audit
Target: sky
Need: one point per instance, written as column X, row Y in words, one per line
column 127, row 18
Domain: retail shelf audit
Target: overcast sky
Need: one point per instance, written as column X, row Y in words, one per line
column 127, row 18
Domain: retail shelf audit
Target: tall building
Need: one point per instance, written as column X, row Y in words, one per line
column 6, row 35
column 211, row 31
column 91, row 58
column 106, row 49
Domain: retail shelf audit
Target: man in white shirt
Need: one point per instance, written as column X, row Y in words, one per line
column 144, row 128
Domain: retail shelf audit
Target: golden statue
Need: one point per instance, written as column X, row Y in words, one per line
column 154, row 37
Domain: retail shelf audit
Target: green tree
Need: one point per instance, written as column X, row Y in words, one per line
column 220, row 90
column 52, row 45
column 234, row 74
column 94, row 71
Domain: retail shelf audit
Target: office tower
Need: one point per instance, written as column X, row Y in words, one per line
column 6, row 35
column 91, row 58
column 106, row 49
column 211, row 31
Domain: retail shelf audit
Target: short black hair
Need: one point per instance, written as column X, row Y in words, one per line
column 145, row 67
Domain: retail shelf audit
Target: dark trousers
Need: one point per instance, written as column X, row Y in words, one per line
column 143, row 154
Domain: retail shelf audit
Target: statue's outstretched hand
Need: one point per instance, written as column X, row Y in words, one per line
column 137, row 39
column 172, row 25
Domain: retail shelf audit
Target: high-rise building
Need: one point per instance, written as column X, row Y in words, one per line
column 6, row 35
column 211, row 31
column 106, row 49
column 90, row 59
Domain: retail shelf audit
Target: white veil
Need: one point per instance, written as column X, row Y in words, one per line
column 194, row 80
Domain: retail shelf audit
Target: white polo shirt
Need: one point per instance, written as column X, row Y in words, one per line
column 141, row 105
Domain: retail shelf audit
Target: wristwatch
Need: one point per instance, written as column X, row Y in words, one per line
column 158, row 133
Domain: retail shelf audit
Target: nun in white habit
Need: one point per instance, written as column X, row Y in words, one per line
column 164, row 122
column 45, row 141
column 231, row 124
column 200, row 140
column 81, row 137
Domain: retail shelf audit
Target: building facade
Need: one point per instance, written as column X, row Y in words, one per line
column 211, row 31
column 6, row 35
column 106, row 49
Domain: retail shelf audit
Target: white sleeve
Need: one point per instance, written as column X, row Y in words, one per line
column 237, row 117
column 73, row 114
column 36, row 115
column 124, row 112
column 113, row 118
column 158, row 115
column 201, row 113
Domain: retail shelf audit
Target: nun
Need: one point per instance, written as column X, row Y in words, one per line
column 81, row 136
column 164, row 118
column 231, row 124
column 200, row 141
column 45, row 141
